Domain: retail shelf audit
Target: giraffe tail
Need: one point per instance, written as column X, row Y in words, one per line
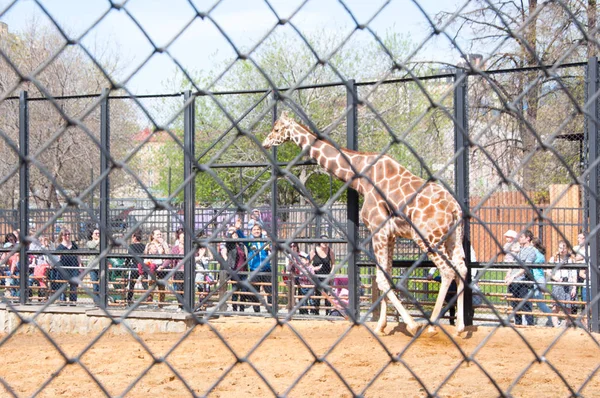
column 457, row 252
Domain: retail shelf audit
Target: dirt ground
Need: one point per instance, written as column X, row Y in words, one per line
column 280, row 363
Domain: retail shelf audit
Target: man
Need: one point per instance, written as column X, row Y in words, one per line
column 515, row 278
column 582, row 254
column 258, row 252
column 255, row 218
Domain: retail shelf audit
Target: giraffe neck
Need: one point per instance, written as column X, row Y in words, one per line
column 332, row 159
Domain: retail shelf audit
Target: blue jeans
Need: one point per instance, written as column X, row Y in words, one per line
column 537, row 294
column 310, row 302
column 59, row 274
column 95, row 277
column 13, row 281
column 584, row 294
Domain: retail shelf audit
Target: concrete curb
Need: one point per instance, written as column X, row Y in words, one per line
column 82, row 320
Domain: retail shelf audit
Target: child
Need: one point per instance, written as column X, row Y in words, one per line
column 305, row 280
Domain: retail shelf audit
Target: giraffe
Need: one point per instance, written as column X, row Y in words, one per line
column 430, row 215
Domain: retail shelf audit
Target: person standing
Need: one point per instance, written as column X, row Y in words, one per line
column 258, row 264
column 69, row 264
column 539, row 277
column 158, row 246
column 323, row 259
column 582, row 255
column 94, row 244
column 515, row 279
column 564, row 289
column 202, row 259
column 305, row 279
column 135, row 270
column 178, row 276
column 237, row 264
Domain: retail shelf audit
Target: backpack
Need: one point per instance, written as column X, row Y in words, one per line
column 240, row 259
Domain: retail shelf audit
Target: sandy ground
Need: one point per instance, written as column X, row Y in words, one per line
column 280, row 363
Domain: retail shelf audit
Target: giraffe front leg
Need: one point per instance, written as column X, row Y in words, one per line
column 439, row 303
column 382, row 322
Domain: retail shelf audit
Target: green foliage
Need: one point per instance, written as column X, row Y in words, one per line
column 284, row 61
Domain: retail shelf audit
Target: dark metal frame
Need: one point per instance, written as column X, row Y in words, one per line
column 462, row 145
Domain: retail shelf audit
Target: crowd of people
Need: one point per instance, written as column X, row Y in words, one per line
column 247, row 261
column 528, row 283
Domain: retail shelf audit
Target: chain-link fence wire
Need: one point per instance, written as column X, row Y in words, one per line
column 525, row 134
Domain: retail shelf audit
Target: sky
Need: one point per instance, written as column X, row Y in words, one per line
column 202, row 46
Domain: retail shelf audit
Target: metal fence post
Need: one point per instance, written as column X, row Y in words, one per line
column 591, row 115
column 461, row 170
column 274, row 232
column 23, row 195
column 104, row 195
column 352, row 208
column 189, row 198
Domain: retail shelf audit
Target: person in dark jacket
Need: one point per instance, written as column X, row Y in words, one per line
column 236, row 262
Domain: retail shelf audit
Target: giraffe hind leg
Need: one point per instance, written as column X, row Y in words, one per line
column 456, row 271
column 383, row 284
column 446, row 273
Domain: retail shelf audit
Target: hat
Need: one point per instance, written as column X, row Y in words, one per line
column 511, row 234
column 303, row 254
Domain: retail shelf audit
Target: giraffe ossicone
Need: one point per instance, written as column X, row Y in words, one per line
column 430, row 215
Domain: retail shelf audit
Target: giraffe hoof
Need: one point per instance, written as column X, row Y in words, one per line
column 379, row 332
column 431, row 331
column 460, row 330
column 412, row 330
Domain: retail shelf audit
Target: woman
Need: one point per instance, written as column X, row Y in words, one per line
column 136, row 248
column 94, row 245
column 43, row 263
column 236, row 261
column 177, row 248
column 202, row 259
column 293, row 267
column 10, row 261
column 540, row 279
column 69, row 264
column 323, row 259
column 566, row 290
column 155, row 265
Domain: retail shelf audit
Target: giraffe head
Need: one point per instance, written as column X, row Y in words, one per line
column 281, row 132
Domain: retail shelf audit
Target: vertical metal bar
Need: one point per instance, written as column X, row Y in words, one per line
column 104, row 195
column 92, row 193
column 274, row 232
column 461, row 170
column 189, row 197
column 23, row 195
column 352, row 207
column 591, row 115
column 169, row 213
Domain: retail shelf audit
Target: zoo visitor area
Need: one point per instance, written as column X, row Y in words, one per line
column 130, row 277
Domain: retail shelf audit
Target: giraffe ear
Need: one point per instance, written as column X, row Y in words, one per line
column 284, row 115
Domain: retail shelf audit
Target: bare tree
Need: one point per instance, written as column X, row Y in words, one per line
column 63, row 132
column 535, row 38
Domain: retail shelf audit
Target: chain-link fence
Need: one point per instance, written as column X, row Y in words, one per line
column 228, row 212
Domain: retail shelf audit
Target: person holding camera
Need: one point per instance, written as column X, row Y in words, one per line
column 236, row 261
column 258, row 263
column 564, row 288
column 516, row 279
